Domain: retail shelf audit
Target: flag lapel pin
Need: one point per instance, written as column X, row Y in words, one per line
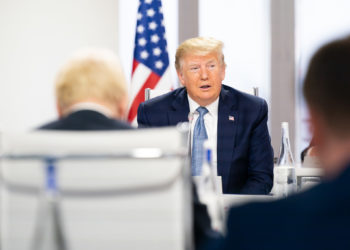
column 231, row 118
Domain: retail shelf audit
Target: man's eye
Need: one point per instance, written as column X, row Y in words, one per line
column 212, row 66
column 194, row 68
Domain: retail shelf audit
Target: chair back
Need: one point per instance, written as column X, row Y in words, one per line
column 151, row 93
column 116, row 190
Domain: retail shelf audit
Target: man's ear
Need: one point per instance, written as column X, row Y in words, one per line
column 317, row 127
column 59, row 110
column 223, row 72
column 122, row 109
column 181, row 78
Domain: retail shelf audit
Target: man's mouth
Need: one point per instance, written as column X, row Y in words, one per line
column 205, row 87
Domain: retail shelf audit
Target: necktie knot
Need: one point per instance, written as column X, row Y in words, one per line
column 202, row 111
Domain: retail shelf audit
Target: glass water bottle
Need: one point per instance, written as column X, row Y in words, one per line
column 208, row 191
column 284, row 171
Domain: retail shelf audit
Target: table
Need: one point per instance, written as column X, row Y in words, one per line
column 231, row 200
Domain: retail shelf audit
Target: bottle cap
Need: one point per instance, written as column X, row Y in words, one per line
column 207, row 144
column 284, row 125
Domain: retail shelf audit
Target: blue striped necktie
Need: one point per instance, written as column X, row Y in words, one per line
column 199, row 136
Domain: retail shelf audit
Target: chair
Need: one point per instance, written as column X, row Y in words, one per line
column 151, row 93
column 253, row 91
column 117, row 190
column 256, row 91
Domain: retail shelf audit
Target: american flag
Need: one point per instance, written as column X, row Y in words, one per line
column 151, row 61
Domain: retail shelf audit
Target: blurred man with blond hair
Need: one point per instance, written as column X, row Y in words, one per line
column 91, row 93
column 235, row 122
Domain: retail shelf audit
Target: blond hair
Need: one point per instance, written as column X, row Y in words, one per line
column 92, row 74
column 199, row 46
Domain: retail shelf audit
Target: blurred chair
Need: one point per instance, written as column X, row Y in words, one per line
column 256, row 91
column 253, row 91
column 117, row 190
column 151, row 93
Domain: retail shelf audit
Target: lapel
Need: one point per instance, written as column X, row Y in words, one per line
column 180, row 108
column 226, row 133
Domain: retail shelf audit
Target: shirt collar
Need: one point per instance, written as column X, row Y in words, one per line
column 212, row 107
column 90, row 106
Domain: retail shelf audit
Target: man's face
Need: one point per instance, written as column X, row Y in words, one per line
column 202, row 75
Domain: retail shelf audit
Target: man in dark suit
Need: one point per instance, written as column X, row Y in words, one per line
column 91, row 93
column 235, row 122
column 320, row 217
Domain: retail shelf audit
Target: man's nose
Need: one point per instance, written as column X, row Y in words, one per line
column 204, row 73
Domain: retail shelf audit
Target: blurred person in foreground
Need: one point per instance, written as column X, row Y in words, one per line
column 235, row 122
column 320, row 217
column 91, row 93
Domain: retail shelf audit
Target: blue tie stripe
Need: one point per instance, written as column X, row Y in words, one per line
column 199, row 136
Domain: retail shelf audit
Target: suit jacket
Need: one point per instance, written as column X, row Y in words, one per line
column 316, row 219
column 244, row 152
column 86, row 120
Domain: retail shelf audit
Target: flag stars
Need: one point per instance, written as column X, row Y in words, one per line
column 144, row 54
column 148, row 1
column 142, row 41
column 139, row 16
column 154, row 38
column 160, row 10
column 151, row 12
column 152, row 25
column 140, row 29
column 157, row 51
column 159, row 64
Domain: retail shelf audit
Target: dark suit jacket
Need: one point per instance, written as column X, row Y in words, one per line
column 316, row 219
column 86, row 120
column 244, row 152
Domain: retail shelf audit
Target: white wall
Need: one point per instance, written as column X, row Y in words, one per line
column 36, row 37
column 243, row 26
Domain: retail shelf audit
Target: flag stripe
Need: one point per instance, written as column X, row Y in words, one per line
column 139, row 77
column 151, row 82
column 134, row 66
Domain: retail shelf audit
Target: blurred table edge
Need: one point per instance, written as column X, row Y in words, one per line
column 232, row 200
column 310, row 172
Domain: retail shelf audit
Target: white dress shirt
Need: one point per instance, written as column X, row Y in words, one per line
column 210, row 122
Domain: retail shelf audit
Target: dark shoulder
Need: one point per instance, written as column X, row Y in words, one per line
column 121, row 124
column 86, row 120
column 304, row 216
column 51, row 125
column 317, row 201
